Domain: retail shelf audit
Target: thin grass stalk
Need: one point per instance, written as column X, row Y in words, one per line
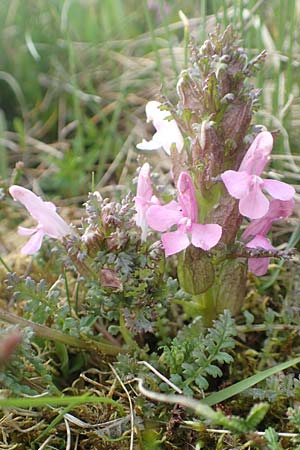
column 203, row 14
column 79, row 140
column 154, row 44
column 289, row 71
column 225, row 15
column 3, row 150
column 169, row 38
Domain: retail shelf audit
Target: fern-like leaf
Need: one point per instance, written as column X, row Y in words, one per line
column 195, row 355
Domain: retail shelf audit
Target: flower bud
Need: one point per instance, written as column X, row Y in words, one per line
column 93, row 240
column 110, row 279
column 189, row 92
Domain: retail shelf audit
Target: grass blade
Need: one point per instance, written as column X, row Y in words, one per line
column 241, row 386
column 57, row 401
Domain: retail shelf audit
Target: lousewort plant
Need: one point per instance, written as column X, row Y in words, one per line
column 218, row 157
column 150, row 283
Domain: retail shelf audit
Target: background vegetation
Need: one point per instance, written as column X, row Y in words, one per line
column 76, row 74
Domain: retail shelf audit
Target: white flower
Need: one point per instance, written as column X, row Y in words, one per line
column 167, row 131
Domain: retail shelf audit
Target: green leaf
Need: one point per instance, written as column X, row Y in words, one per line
column 201, row 382
column 241, row 386
column 57, row 401
column 257, row 414
column 272, row 439
column 223, row 357
column 214, row 371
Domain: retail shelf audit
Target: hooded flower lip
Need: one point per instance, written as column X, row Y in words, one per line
column 49, row 222
column 167, row 131
column 278, row 210
column 184, row 214
column 258, row 154
column 144, row 198
column 246, row 184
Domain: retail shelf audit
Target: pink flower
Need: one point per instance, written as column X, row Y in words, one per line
column 278, row 210
column 246, row 184
column 49, row 222
column 260, row 227
column 259, row 266
column 144, row 198
column 184, row 215
column 167, row 131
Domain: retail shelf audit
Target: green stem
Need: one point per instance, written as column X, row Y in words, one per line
column 4, row 264
column 84, row 342
column 126, row 334
column 207, row 307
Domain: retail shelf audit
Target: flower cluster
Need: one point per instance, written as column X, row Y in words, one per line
column 245, row 185
column 182, row 214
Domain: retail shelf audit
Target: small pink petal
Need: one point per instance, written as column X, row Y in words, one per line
column 144, row 199
column 260, row 242
column 54, row 225
column 32, row 202
column 258, row 154
column 255, row 204
column 187, row 197
column 175, row 241
column 258, row 266
column 140, row 217
column 162, row 217
column 278, row 209
column 34, row 243
column 237, row 183
column 206, row 236
column 279, row 190
column 144, row 186
column 258, row 226
column 51, row 206
column 43, row 212
column 26, row 231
